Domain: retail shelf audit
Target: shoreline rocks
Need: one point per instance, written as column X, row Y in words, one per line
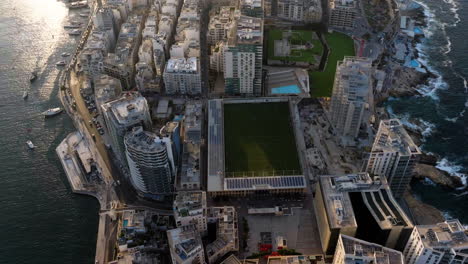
column 437, row 176
column 422, row 213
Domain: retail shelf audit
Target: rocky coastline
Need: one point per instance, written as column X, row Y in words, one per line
column 406, row 81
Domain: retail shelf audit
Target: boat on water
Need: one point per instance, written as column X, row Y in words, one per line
column 80, row 4
column 65, row 54
column 25, row 95
column 33, row 76
column 61, row 63
column 75, row 32
column 84, row 14
column 30, row 144
column 52, row 112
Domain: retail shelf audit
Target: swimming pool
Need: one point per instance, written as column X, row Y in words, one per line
column 290, row 89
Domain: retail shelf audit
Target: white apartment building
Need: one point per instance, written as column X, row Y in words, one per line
column 221, row 22
column 121, row 115
column 186, row 246
column 342, row 13
column 291, row 9
column 393, row 155
column 190, row 209
column 106, row 89
column 182, row 76
column 313, row 12
column 243, row 57
column 227, row 237
column 350, row 250
column 352, row 94
column 442, row 243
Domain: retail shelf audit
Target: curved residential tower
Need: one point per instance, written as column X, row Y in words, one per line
column 150, row 161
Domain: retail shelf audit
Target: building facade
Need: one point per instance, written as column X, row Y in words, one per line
column 393, row 155
column 150, row 161
column 190, row 209
column 343, row 13
column 121, row 115
column 186, row 246
column 352, row 94
column 243, row 58
column 442, row 243
column 182, row 76
column 352, row 250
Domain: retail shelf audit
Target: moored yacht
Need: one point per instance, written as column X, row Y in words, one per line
column 52, row 112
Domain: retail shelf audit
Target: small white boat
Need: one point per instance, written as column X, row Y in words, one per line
column 25, row 95
column 52, row 112
column 84, row 15
column 61, row 63
column 65, row 54
column 30, row 144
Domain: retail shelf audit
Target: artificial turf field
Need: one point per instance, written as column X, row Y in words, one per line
column 259, row 137
column 321, row 83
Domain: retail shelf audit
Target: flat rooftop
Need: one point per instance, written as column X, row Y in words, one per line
column 450, row 233
column 144, row 141
column 337, row 204
column 392, row 137
column 249, row 30
column 182, row 65
column 189, row 203
column 129, row 107
column 368, row 253
column 376, row 196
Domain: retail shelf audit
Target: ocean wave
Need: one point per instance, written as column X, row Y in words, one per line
column 455, row 119
column 446, row 215
column 425, row 128
column 434, row 84
column 448, row 47
column 454, row 9
column 452, row 169
column 461, row 194
column 465, row 82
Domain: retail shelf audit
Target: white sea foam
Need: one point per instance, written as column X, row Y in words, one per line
column 454, row 9
column 426, row 128
column 461, row 194
column 428, row 181
column 434, row 83
column 452, row 169
column 446, row 215
column 448, row 47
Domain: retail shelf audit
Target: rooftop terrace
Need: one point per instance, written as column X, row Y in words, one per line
column 368, row 253
column 392, row 137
